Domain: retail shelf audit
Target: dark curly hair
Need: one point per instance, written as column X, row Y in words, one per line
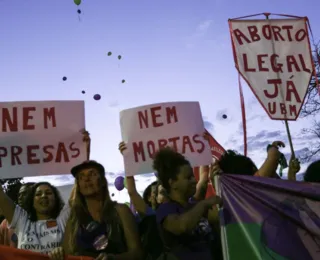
column 167, row 163
column 234, row 163
column 29, row 201
column 147, row 193
column 312, row 172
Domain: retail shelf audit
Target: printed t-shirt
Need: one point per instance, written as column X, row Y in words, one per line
column 194, row 245
column 7, row 235
column 40, row 236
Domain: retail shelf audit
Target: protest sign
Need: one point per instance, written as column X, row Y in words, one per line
column 274, row 58
column 216, row 151
column 40, row 138
column 145, row 129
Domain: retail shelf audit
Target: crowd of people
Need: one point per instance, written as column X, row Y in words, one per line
column 173, row 219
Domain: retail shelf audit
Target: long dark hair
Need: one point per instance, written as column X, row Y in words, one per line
column 28, row 203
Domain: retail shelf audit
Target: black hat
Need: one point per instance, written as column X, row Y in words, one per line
column 85, row 165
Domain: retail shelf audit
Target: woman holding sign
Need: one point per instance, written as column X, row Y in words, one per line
column 185, row 228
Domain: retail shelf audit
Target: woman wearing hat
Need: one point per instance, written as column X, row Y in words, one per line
column 98, row 227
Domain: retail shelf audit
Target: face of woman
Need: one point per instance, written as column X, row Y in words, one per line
column 185, row 183
column 152, row 198
column 44, row 199
column 89, row 182
column 161, row 195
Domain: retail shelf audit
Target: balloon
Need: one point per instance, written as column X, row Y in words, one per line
column 123, row 81
column 112, row 194
column 119, row 57
column 109, row 53
column 64, row 78
column 79, row 11
column 224, row 116
column 77, row 2
column 83, row 92
column 119, row 183
column 96, row 97
column 128, row 204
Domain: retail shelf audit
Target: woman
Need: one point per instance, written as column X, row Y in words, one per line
column 99, row 227
column 184, row 225
column 7, row 235
column 40, row 226
column 161, row 195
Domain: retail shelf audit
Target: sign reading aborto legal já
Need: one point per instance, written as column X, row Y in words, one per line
column 274, row 58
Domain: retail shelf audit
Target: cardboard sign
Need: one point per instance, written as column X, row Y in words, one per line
column 146, row 129
column 274, row 58
column 40, row 138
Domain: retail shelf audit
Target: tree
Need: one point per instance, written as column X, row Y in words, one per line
column 310, row 108
column 11, row 187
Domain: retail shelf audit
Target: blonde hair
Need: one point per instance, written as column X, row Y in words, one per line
column 79, row 208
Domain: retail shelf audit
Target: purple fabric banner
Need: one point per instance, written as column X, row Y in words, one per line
column 270, row 218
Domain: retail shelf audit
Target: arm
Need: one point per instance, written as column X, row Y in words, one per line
column 7, row 206
column 269, row 167
column 131, row 234
column 294, row 168
column 202, row 184
column 184, row 223
column 136, row 199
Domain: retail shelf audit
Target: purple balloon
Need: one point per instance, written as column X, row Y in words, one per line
column 96, row 97
column 119, row 183
column 156, row 174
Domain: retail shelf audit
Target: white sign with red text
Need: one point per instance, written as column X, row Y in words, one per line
column 41, row 137
column 274, row 58
column 145, row 129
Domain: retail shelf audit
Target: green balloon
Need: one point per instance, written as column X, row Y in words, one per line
column 109, row 53
column 77, row 2
column 128, row 204
column 119, row 57
column 125, row 182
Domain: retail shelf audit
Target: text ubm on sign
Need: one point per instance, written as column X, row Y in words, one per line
column 149, row 128
column 274, row 57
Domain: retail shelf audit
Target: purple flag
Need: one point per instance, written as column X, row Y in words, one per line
column 267, row 218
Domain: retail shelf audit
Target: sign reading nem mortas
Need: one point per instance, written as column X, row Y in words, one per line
column 274, row 58
column 40, row 137
column 148, row 128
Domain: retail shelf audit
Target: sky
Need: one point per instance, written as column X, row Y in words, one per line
column 171, row 51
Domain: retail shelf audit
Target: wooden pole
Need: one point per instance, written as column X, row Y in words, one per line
column 285, row 121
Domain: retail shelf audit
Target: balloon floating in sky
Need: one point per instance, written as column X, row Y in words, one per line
column 83, row 92
column 123, row 81
column 64, row 78
column 79, row 11
column 97, row 97
column 77, row 2
column 224, row 116
column 112, row 194
column 109, row 53
column 119, row 57
column 119, row 183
